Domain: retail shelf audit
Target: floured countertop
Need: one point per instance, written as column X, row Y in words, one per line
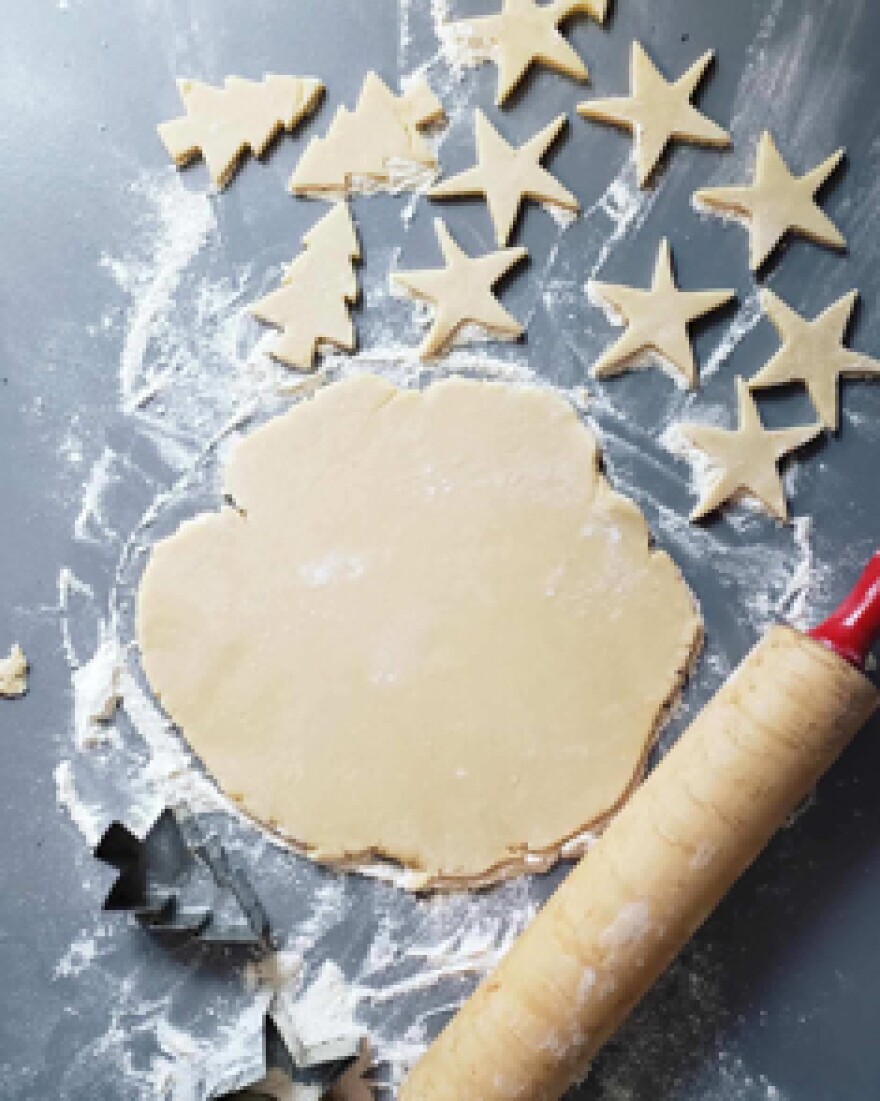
column 130, row 367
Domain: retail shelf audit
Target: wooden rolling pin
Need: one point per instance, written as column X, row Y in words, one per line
column 662, row 866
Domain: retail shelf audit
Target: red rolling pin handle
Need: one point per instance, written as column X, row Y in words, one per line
column 851, row 630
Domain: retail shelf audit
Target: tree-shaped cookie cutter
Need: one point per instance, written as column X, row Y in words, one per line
column 177, row 879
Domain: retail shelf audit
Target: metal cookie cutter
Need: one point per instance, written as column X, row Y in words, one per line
column 295, row 1071
column 177, row 879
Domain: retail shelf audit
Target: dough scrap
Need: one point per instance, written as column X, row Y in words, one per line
column 429, row 631
column 745, row 459
column 656, row 321
column 813, row 353
column 311, row 306
column 776, row 203
column 13, row 673
column 658, row 111
column 461, row 292
column 525, row 33
column 376, row 145
column 221, row 124
column 507, row 175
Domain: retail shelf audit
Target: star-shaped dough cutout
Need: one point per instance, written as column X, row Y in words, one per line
column 461, row 292
column 658, row 111
column 524, row 33
column 656, row 321
column 745, row 459
column 813, row 353
column 507, row 175
column 777, row 203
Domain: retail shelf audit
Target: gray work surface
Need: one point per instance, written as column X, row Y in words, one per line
column 777, row 997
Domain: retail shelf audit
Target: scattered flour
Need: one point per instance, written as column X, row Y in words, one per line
column 747, row 318
column 96, row 690
column 89, row 818
column 183, row 221
column 90, row 525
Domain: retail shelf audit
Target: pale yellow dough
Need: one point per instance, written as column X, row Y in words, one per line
column 814, row 353
column 658, row 111
column 656, row 321
column 744, row 460
column 507, row 175
column 525, row 33
column 13, row 673
column 776, row 203
column 377, row 145
column 311, row 305
column 429, row 630
column 222, row 123
column 461, row 292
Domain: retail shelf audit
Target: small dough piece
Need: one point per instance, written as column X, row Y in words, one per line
column 656, row 321
column 430, row 630
column 221, row 124
column 525, row 33
column 312, row 304
column 813, row 353
column 658, row 111
column 378, row 145
column 508, row 175
column 777, row 203
column 13, row 673
column 462, row 292
column 745, row 460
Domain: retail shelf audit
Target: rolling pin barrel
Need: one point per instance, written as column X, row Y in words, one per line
column 665, row 862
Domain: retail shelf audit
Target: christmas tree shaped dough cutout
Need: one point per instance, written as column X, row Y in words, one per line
column 813, row 353
column 742, row 461
column 461, row 293
column 508, row 175
column 658, row 111
column 377, row 146
column 523, row 33
column 656, row 321
column 776, row 203
column 221, row 124
column 311, row 305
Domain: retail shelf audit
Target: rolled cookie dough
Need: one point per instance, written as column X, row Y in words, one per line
column 429, row 631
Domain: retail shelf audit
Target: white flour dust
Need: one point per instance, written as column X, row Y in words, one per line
column 357, row 953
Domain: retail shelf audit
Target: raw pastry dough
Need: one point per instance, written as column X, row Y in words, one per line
column 508, row 175
column 525, row 33
column 376, row 145
column 744, row 460
column 776, row 203
column 813, row 353
column 462, row 292
column 656, row 321
column 658, row 112
column 222, row 123
column 429, row 630
column 13, row 673
column 312, row 304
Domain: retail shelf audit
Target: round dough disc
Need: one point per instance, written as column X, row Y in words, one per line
column 429, row 631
